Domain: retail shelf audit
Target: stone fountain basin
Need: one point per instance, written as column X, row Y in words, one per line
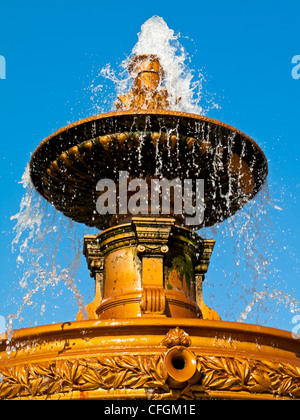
column 123, row 359
column 66, row 166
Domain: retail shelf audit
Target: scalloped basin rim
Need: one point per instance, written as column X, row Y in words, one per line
column 148, row 112
column 224, row 198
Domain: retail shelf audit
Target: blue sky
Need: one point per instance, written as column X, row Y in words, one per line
column 53, row 49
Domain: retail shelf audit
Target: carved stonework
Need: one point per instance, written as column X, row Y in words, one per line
column 96, row 264
column 93, row 254
column 217, row 376
column 152, row 239
column 153, row 235
column 147, row 91
column 203, row 259
column 142, row 98
column 176, row 337
column 153, row 300
column 152, row 249
column 162, row 272
column 82, row 374
column 201, row 265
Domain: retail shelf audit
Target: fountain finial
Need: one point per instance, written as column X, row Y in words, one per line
column 147, row 92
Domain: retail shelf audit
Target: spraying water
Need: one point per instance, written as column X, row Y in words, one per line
column 250, row 287
column 39, row 233
column 157, row 38
column 184, row 89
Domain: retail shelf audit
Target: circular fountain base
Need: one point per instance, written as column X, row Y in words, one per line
column 150, row 359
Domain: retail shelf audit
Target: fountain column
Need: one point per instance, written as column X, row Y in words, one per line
column 147, row 268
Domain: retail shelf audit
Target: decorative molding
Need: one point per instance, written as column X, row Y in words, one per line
column 83, row 374
column 153, row 300
column 93, row 254
column 109, row 240
column 235, row 374
column 184, row 303
column 152, row 235
column 126, row 299
column 176, row 337
column 202, row 259
column 152, row 239
column 215, row 375
column 152, row 249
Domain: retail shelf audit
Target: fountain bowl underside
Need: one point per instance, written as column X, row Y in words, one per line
column 66, row 166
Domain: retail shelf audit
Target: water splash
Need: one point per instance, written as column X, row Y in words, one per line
column 157, row 38
column 39, row 237
column 248, row 276
column 278, row 296
column 180, row 80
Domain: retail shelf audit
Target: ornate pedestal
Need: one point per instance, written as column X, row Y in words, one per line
column 149, row 267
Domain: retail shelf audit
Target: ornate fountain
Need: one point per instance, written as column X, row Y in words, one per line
column 149, row 333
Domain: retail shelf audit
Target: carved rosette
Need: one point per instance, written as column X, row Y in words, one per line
column 176, row 337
